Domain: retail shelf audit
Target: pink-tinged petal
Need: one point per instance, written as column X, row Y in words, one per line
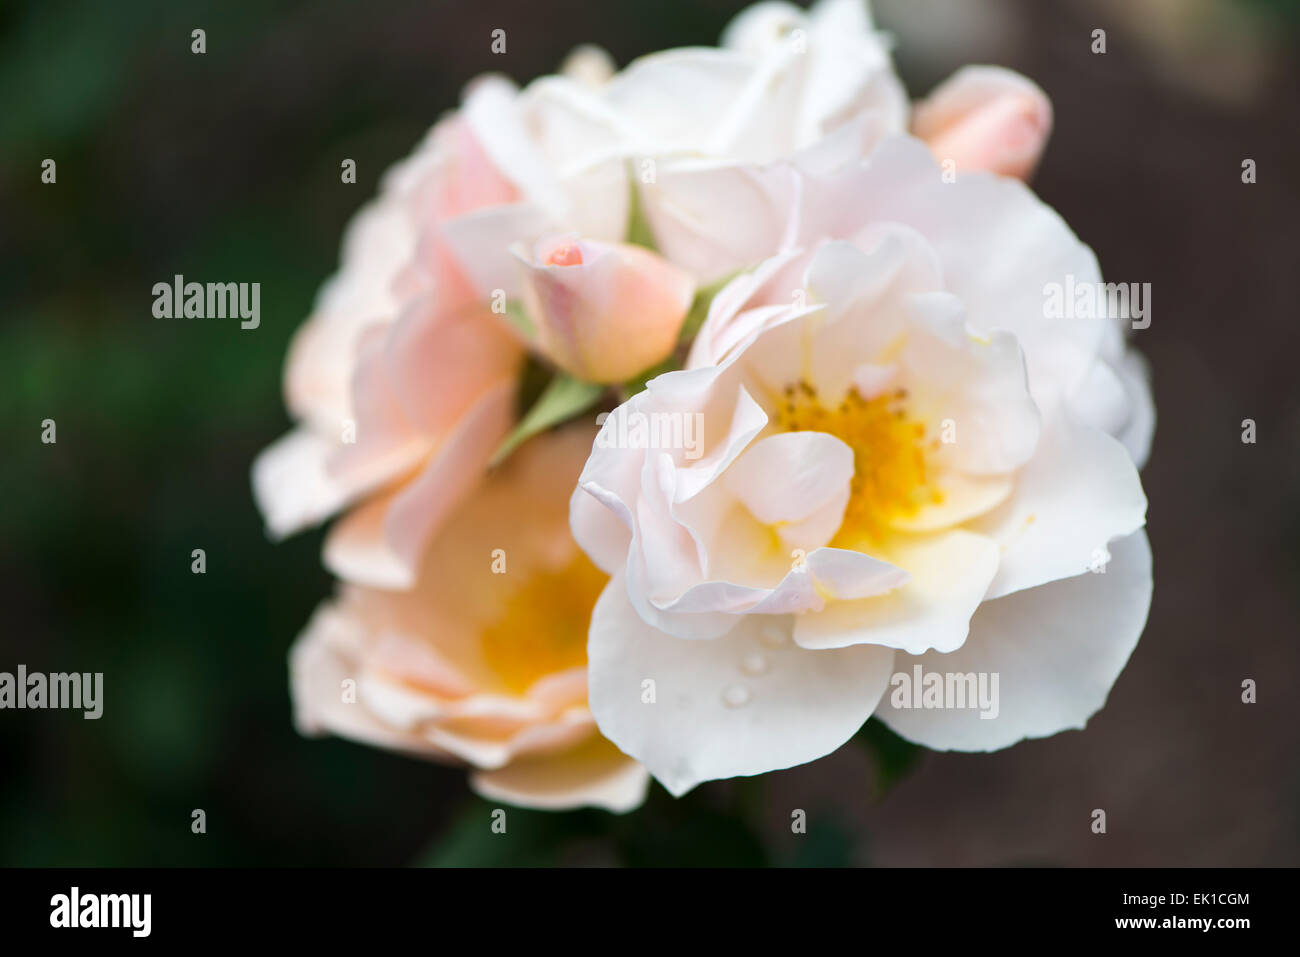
column 480, row 244
column 474, row 569
column 387, row 444
column 986, row 118
column 380, row 543
column 418, row 662
column 318, row 668
column 594, row 774
column 493, row 114
column 356, row 548
column 292, row 484
column 377, row 245
column 1078, row 492
column 467, row 179
column 488, row 750
column 318, row 372
column 742, row 704
column 446, row 669
column 1056, row 650
column 440, row 363
column 604, row 311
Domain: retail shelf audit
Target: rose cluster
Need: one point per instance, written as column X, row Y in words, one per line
column 668, row 414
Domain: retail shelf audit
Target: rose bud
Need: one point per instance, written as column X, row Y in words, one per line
column 604, row 311
column 986, row 118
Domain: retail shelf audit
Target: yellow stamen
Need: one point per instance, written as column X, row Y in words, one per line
column 543, row 625
column 889, row 455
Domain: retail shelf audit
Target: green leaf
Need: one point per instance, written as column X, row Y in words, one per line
column 894, row 756
column 564, row 398
column 518, row 317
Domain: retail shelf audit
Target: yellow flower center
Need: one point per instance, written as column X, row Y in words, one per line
column 889, row 456
column 543, row 625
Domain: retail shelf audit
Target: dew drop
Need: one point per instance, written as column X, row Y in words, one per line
column 773, row 636
column 736, row 696
column 753, row 664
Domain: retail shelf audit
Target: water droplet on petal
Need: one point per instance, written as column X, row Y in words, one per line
column 753, row 664
column 774, row 636
column 735, row 696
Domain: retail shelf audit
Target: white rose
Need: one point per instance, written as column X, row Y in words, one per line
column 903, row 461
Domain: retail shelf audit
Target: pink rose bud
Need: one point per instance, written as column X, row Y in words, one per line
column 604, row 311
column 986, row 118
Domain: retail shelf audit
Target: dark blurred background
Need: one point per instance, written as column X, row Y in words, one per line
column 225, row 166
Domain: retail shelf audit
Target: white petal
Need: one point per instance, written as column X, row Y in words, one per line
column 1101, row 400
column 964, row 497
column 761, row 26
column 1138, row 432
column 732, row 706
column 796, row 480
column 1057, row 650
column 847, row 276
column 598, row 531
column 977, row 382
column 650, row 92
column 950, row 573
column 1078, row 492
column 571, row 123
column 715, row 218
column 675, row 590
column 999, row 245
